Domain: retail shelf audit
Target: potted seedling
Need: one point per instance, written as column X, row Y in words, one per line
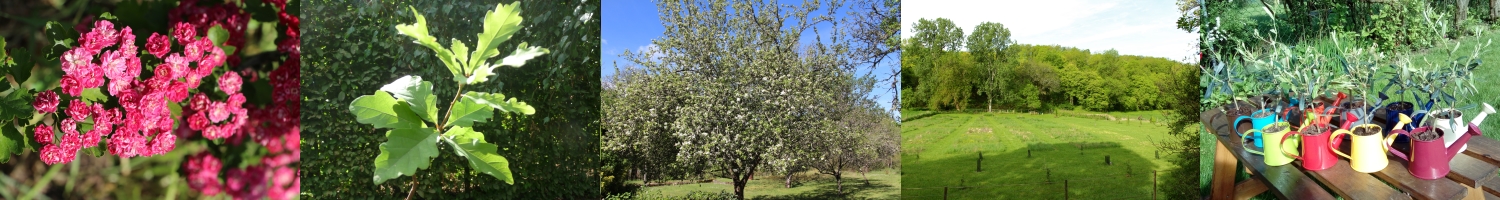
column 1453, row 83
column 1360, row 66
column 1403, row 78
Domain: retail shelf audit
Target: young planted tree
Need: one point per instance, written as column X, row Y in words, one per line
column 408, row 107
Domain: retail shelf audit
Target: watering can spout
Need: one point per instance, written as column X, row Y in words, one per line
column 1404, row 120
column 1464, row 139
column 1479, row 119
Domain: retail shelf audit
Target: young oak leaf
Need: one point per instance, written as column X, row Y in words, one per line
column 481, row 154
column 417, row 92
column 498, row 101
column 468, row 111
column 384, row 111
column 406, row 151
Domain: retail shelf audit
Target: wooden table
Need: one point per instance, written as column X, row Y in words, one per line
column 1472, row 177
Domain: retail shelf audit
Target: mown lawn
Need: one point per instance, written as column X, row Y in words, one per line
column 883, row 184
column 941, row 151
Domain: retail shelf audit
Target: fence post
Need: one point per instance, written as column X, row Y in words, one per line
column 1065, row 189
column 1153, row 184
column 945, row 193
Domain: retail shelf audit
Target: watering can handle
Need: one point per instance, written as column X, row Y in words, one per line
column 1392, row 139
column 1246, row 136
column 1284, row 147
column 1333, row 142
column 1236, row 123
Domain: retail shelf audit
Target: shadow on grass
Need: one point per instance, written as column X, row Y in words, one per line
column 853, row 187
column 1041, row 175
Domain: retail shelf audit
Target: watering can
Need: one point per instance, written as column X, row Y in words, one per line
column 1453, row 129
column 1316, row 154
column 1274, row 158
column 1257, row 123
column 1429, row 159
column 1366, row 152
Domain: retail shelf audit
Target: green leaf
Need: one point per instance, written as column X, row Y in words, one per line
column 461, row 50
column 384, row 111
column 17, row 104
column 10, row 142
column 405, row 151
column 468, row 111
column 417, row 92
column 481, row 154
column 21, row 71
column 93, row 95
column 499, row 25
column 522, row 54
column 498, row 101
column 419, row 32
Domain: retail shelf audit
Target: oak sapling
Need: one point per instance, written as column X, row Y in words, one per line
column 408, row 107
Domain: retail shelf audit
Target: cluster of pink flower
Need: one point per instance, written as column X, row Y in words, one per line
column 228, row 16
column 275, row 126
column 142, row 102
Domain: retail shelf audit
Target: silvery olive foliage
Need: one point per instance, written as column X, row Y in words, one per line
column 408, row 107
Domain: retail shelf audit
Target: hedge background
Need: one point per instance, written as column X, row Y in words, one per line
column 352, row 48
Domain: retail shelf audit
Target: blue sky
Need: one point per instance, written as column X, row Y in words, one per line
column 631, row 25
column 1135, row 27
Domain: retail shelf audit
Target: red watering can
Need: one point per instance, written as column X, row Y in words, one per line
column 1429, row 159
column 1316, row 154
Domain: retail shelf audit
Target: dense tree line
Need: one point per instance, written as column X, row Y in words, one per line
column 943, row 70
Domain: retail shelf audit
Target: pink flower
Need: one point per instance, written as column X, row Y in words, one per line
column 127, row 41
column 118, row 86
column 55, row 154
column 203, row 173
column 218, row 112
column 174, row 64
column 44, row 134
column 76, row 59
column 193, row 51
column 184, row 32
column 115, row 64
column 46, row 102
column 158, row 45
column 163, row 143
column 248, row 183
column 214, row 58
column 236, row 100
column 77, row 110
column 70, row 85
column 230, row 82
column 126, row 144
column 198, row 121
column 199, row 102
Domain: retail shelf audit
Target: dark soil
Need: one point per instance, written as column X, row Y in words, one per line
column 1429, row 135
column 1448, row 114
column 1315, row 130
column 1398, row 106
column 1366, row 131
column 1274, row 128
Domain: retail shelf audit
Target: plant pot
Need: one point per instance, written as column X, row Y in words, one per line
column 1258, row 119
column 1277, row 130
column 1316, row 154
column 1391, row 111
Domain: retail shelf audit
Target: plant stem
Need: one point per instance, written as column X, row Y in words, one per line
column 413, row 186
column 456, row 95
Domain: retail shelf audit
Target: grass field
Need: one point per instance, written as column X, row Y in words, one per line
column 941, row 151
column 884, row 184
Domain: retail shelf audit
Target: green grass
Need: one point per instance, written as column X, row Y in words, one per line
column 884, row 184
column 940, row 151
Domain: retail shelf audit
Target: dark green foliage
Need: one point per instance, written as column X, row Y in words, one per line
column 1039, row 78
column 352, row 49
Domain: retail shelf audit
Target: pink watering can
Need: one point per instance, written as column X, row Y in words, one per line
column 1429, row 159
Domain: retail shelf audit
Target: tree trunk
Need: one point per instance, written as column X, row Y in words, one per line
column 789, row 179
column 739, row 189
column 1463, row 13
column 1495, row 11
column 838, row 180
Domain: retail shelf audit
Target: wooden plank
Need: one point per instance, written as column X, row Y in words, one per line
column 1469, row 170
column 1248, row 189
column 1350, row 184
column 1485, row 149
column 1286, row 182
column 1396, row 174
column 1223, row 177
column 1491, row 185
column 1489, row 196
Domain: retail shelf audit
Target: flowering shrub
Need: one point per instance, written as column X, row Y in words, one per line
column 187, row 85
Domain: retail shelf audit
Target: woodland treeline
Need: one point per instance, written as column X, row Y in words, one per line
column 945, row 70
